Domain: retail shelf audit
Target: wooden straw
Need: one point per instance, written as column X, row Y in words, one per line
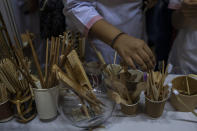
column 51, row 48
column 115, row 55
column 27, row 75
column 99, row 55
column 35, row 57
column 63, row 44
column 84, row 107
column 47, row 55
column 187, row 84
column 3, row 93
column 58, row 51
column 188, row 90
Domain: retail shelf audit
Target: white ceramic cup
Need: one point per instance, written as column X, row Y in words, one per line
column 46, row 100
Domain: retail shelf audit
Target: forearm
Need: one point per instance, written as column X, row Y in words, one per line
column 104, row 31
column 129, row 48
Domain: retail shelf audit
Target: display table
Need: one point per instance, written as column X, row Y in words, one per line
column 170, row 121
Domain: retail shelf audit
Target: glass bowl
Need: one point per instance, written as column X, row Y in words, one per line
column 69, row 107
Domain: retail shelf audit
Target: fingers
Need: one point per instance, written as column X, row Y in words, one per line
column 130, row 62
column 149, row 53
column 149, row 63
column 140, row 62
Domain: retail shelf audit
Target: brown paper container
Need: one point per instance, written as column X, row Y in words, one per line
column 179, row 83
column 6, row 113
column 154, row 108
column 131, row 85
column 130, row 109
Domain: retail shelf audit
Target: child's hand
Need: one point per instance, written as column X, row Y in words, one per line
column 134, row 50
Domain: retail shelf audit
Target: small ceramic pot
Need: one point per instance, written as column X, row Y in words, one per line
column 46, row 100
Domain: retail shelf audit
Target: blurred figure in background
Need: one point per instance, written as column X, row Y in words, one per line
column 183, row 55
column 159, row 29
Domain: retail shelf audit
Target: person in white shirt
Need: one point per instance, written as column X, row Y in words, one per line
column 183, row 55
column 104, row 22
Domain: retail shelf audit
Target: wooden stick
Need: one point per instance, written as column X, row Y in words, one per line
column 84, row 107
column 77, row 67
column 18, row 46
column 99, row 55
column 75, row 86
column 27, row 75
column 115, row 55
column 63, row 45
column 187, row 83
column 35, row 57
column 46, row 64
column 51, row 49
column 58, row 51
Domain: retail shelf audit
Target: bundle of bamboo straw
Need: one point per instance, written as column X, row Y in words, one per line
column 155, row 85
column 76, row 79
column 56, row 51
column 3, row 93
column 12, row 79
column 15, row 75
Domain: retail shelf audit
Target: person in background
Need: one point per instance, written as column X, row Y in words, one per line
column 183, row 55
column 27, row 17
column 159, row 30
column 112, row 25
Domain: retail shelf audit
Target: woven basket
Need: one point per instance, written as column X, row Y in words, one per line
column 25, row 109
column 180, row 84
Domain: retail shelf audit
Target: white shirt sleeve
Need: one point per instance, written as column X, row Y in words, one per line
column 81, row 14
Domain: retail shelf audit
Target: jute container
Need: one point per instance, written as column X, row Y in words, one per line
column 131, row 84
column 114, row 68
column 130, row 109
column 46, row 100
column 6, row 113
column 154, row 108
column 179, row 83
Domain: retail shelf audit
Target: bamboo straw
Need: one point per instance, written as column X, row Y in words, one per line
column 58, row 51
column 51, row 49
column 18, row 46
column 74, row 85
column 84, row 107
column 35, row 57
column 3, row 93
column 63, row 44
column 24, row 66
column 99, row 55
column 46, row 64
column 187, row 84
column 115, row 55
column 188, row 90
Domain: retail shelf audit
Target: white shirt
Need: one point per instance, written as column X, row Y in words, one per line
column 126, row 15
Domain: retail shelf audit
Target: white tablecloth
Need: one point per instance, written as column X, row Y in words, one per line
column 170, row 121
